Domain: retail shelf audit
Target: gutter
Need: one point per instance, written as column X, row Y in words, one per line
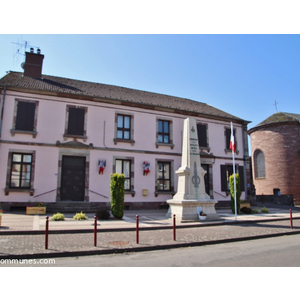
column 2, row 108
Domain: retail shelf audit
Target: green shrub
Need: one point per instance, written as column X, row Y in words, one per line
column 264, row 210
column 255, row 211
column 103, row 214
column 238, row 192
column 117, row 193
column 80, row 216
column 58, row 217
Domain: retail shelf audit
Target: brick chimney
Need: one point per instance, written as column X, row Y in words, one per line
column 33, row 64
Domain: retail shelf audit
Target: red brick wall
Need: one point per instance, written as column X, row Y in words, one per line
column 281, row 147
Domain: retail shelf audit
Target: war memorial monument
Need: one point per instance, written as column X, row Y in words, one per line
column 191, row 196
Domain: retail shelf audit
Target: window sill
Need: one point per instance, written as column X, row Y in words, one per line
column 15, row 190
column 132, row 142
column 164, row 144
column 14, row 131
column 130, row 192
column 205, row 148
column 156, row 193
column 230, row 151
column 84, row 137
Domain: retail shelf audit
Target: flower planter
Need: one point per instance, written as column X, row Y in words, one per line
column 202, row 218
column 244, row 205
column 35, row 210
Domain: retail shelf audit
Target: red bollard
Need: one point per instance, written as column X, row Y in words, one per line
column 174, row 228
column 95, row 231
column 291, row 218
column 46, row 232
column 137, row 229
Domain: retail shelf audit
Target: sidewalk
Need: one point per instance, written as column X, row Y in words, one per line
column 23, row 236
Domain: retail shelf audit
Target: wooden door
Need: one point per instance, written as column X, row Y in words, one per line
column 73, row 178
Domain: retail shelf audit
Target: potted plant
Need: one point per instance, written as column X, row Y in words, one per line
column 36, row 208
column 202, row 216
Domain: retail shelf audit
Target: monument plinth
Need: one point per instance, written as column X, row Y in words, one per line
column 191, row 193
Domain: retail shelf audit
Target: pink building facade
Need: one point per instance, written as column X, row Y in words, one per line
column 61, row 139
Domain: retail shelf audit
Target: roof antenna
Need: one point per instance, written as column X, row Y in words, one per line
column 276, row 105
column 22, row 45
column 26, row 45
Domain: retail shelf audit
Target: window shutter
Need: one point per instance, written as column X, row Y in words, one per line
column 202, row 138
column 76, row 121
column 241, row 173
column 25, row 116
column 228, row 134
column 80, row 121
column 223, row 178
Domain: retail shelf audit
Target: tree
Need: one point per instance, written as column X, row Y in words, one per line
column 117, row 193
column 238, row 192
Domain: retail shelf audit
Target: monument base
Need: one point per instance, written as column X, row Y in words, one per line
column 187, row 210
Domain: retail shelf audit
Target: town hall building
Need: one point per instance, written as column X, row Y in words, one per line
column 61, row 139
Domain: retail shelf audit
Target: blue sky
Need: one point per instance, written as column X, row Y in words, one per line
column 241, row 74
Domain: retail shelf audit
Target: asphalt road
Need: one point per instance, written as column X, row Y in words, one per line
column 270, row 252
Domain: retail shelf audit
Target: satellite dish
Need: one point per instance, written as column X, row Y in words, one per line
column 23, row 65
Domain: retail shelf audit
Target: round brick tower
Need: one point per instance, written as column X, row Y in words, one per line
column 275, row 145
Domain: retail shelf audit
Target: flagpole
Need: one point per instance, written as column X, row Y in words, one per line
column 234, row 181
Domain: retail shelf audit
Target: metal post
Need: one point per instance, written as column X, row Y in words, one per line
column 137, row 229
column 291, row 218
column 174, row 227
column 46, row 232
column 95, row 231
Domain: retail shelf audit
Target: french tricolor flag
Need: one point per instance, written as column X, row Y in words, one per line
column 232, row 145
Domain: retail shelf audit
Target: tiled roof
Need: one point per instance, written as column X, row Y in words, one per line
column 279, row 117
column 94, row 91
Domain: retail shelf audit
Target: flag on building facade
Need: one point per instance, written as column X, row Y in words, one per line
column 232, row 145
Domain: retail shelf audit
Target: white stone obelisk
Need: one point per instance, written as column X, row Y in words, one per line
column 191, row 189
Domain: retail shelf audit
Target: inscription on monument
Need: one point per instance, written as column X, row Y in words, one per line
column 194, row 147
